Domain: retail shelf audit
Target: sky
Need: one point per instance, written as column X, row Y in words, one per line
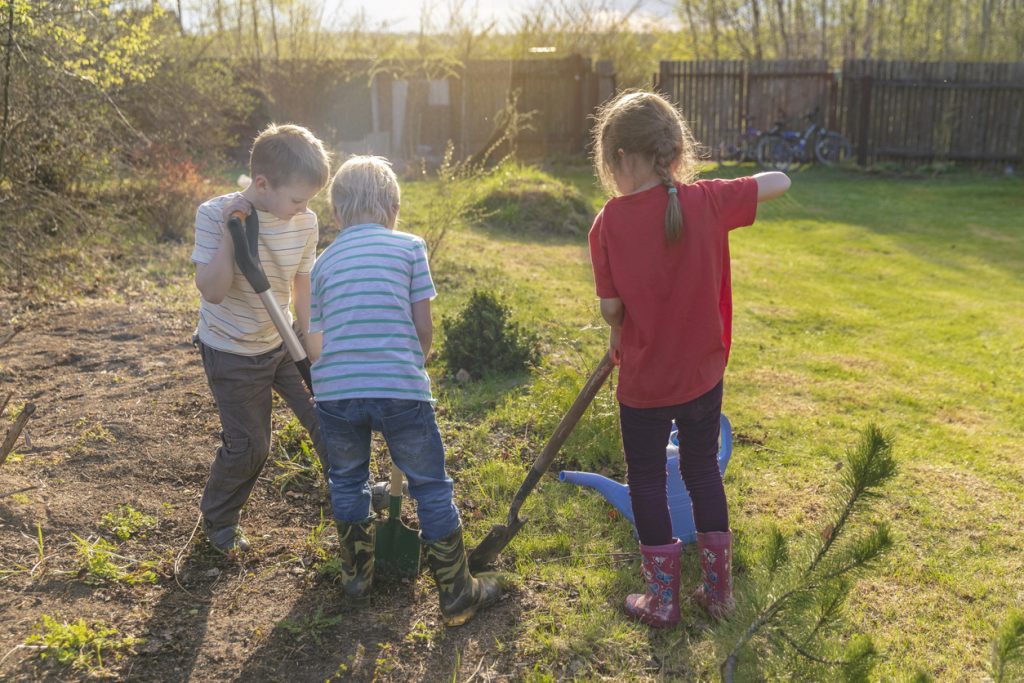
column 404, row 15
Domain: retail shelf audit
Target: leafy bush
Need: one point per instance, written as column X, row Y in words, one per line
column 523, row 200
column 171, row 189
column 482, row 340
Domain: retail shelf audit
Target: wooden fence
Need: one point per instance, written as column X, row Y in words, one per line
column 921, row 111
column 409, row 114
column 902, row 111
column 720, row 99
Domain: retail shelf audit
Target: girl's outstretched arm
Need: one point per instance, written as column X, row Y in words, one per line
column 771, row 184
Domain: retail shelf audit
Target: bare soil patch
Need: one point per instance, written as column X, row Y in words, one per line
column 124, row 416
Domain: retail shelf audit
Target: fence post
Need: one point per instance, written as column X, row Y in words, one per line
column 865, row 120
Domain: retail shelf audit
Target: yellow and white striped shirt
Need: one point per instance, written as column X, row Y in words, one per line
column 240, row 324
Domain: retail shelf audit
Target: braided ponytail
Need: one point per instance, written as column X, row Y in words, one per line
column 647, row 125
column 666, row 153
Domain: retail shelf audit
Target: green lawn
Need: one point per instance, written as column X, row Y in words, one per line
column 858, row 299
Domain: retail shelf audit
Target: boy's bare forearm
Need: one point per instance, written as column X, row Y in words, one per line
column 423, row 321
column 300, row 301
column 771, row 184
column 214, row 279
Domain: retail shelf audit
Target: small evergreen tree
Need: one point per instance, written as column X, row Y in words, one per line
column 794, row 600
column 481, row 339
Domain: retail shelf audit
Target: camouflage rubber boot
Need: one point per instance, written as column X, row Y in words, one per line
column 461, row 593
column 356, row 541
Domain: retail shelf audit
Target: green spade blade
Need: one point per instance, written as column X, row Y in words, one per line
column 397, row 548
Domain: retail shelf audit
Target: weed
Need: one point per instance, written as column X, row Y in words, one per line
column 313, row 626
column 90, row 433
column 295, row 457
column 314, row 545
column 126, row 522
column 100, row 564
column 419, row 633
column 78, row 644
column 384, row 663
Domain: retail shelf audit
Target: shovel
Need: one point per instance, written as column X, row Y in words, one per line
column 247, row 256
column 487, row 552
column 397, row 547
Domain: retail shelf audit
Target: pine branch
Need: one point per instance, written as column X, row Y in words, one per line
column 1008, row 646
column 800, row 650
column 830, row 607
column 868, row 467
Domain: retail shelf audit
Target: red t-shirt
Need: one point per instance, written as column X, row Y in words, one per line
column 678, row 297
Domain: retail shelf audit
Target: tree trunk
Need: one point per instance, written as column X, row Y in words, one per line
column 694, row 40
column 218, row 15
column 755, row 11
column 869, row 27
column 256, row 36
column 273, row 31
column 780, row 8
column 711, row 11
column 823, row 50
column 181, row 20
column 7, row 86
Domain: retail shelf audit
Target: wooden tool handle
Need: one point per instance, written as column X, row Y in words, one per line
column 562, row 432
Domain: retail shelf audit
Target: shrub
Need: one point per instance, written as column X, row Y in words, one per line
column 482, row 340
column 171, row 188
column 523, row 200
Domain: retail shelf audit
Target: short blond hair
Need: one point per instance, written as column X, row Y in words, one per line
column 288, row 153
column 365, row 189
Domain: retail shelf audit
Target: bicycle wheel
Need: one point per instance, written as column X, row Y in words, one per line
column 728, row 153
column 833, row 149
column 775, row 152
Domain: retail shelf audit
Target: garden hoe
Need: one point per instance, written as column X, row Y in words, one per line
column 484, row 554
column 397, row 549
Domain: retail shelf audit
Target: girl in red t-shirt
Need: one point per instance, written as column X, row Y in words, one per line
column 660, row 252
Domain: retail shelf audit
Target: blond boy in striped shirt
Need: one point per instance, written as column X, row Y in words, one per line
column 370, row 335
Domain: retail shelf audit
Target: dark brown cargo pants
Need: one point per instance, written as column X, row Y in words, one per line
column 242, row 386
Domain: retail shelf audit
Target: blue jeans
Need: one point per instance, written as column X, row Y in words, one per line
column 410, row 430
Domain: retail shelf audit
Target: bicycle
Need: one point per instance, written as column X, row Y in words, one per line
column 741, row 149
column 778, row 149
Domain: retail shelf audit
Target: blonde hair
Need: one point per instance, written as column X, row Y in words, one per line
column 365, row 188
column 647, row 125
column 288, row 153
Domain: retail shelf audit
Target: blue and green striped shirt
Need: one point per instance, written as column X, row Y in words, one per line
column 363, row 289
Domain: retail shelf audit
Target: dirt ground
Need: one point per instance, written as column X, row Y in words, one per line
column 124, row 416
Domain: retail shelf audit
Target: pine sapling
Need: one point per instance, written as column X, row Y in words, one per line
column 795, row 599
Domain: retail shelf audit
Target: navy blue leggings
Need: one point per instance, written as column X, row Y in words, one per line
column 645, row 433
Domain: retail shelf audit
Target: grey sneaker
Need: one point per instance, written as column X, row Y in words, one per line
column 228, row 540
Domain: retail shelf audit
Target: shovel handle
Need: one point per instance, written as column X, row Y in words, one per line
column 396, row 481
column 247, row 257
column 562, row 431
